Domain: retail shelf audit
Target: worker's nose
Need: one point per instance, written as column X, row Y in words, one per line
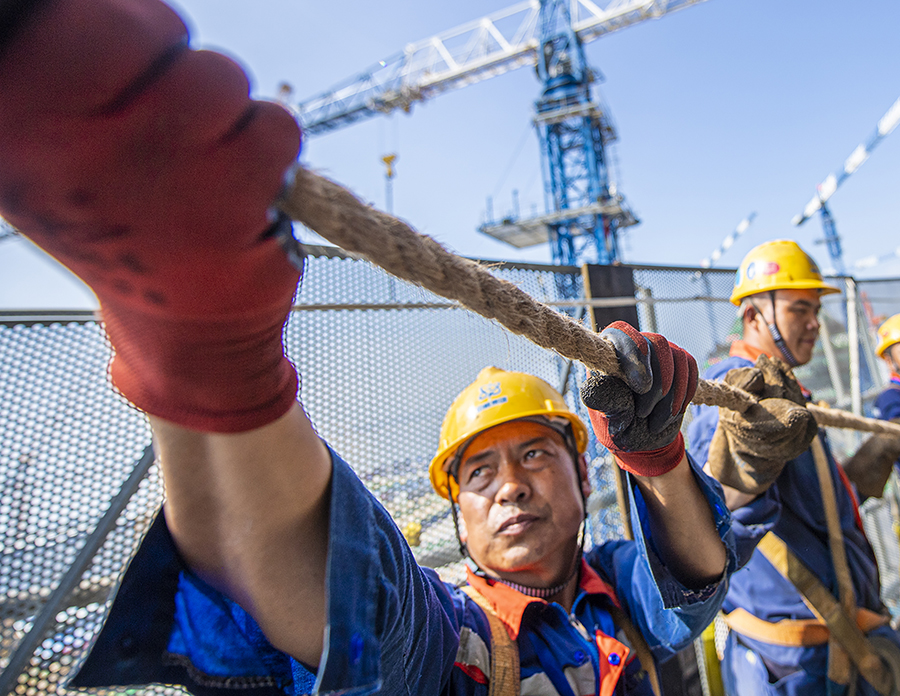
column 513, row 484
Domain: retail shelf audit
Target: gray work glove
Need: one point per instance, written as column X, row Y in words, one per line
column 638, row 417
column 870, row 467
column 749, row 450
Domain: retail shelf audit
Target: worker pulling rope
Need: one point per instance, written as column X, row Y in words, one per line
column 337, row 215
column 150, row 173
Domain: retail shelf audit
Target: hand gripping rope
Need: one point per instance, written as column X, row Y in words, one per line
column 337, row 215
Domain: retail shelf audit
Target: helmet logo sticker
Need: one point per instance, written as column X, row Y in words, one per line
column 762, row 268
column 488, row 404
column 751, row 271
column 486, row 393
column 489, row 390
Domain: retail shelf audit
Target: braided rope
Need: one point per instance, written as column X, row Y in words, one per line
column 337, row 215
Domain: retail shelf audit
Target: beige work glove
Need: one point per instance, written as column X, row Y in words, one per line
column 749, row 450
column 870, row 467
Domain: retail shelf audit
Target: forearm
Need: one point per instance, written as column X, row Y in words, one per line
column 249, row 514
column 683, row 526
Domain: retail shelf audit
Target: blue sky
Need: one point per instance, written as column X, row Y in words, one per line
column 724, row 108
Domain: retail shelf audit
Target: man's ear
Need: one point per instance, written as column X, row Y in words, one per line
column 583, row 475
column 750, row 313
column 463, row 532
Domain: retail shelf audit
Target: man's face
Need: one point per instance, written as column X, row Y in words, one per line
column 892, row 356
column 521, row 503
column 797, row 316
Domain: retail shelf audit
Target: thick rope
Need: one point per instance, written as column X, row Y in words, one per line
column 337, row 215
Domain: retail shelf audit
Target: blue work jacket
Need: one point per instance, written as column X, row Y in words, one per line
column 887, row 405
column 795, row 500
column 394, row 627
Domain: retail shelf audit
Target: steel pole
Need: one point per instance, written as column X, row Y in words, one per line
column 853, row 345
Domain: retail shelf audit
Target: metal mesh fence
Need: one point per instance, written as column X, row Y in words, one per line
column 380, row 362
column 880, row 298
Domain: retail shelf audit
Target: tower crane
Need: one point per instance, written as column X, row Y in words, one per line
column 826, row 189
column 712, row 259
column 584, row 212
column 728, row 242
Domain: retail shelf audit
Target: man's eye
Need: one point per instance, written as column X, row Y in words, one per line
column 478, row 472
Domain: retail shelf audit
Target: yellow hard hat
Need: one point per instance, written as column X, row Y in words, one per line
column 496, row 397
column 778, row 265
column 888, row 334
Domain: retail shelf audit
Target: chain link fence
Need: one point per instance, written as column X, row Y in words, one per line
column 380, row 362
column 880, row 298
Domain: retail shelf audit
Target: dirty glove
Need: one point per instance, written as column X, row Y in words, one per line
column 146, row 169
column 871, row 466
column 749, row 450
column 638, row 418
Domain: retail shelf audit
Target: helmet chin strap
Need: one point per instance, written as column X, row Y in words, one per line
column 776, row 334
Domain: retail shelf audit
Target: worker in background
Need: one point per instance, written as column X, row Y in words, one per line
column 870, row 467
column 777, row 645
column 144, row 167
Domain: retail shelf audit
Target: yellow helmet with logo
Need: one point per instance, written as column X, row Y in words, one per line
column 778, row 265
column 496, row 397
column 888, row 334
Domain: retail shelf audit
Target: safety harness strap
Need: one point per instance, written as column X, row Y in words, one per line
column 505, row 678
column 795, row 633
column 641, row 648
column 842, row 630
column 840, row 669
column 505, row 674
column 835, row 532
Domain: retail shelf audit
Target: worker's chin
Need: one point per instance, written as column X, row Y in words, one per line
column 803, row 353
column 513, row 559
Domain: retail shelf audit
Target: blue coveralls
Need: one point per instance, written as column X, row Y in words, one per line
column 394, row 627
column 887, row 405
column 754, row 668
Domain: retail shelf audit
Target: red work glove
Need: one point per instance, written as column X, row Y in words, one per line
column 145, row 168
column 639, row 418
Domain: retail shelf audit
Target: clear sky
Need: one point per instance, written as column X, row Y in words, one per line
column 724, row 108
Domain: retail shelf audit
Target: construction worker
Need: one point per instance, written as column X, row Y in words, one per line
column 887, row 404
column 870, row 468
column 144, row 167
column 817, row 553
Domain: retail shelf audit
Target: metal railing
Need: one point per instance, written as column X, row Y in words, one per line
column 380, row 361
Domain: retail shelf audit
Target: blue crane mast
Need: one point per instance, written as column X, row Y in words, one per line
column 584, row 212
column 574, row 131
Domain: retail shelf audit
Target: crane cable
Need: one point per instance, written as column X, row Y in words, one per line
column 336, row 214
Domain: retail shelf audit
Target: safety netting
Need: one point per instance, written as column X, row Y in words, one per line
column 380, row 362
